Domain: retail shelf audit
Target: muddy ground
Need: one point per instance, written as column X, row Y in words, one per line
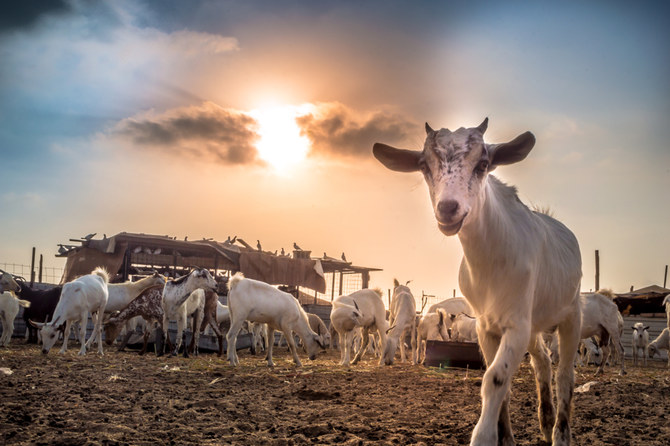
column 123, row 398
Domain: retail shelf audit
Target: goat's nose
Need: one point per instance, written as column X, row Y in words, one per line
column 446, row 209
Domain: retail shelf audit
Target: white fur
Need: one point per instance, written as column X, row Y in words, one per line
column 370, row 315
column 463, row 328
column 640, row 341
column 179, row 302
column 600, row 317
column 662, row 342
column 521, row 271
column 257, row 301
column 9, row 308
column 431, row 327
column 402, row 321
column 84, row 295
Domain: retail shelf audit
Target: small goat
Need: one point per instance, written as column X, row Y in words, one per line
column 9, row 308
column 402, row 320
column 175, row 294
column 369, row 314
column 431, row 327
column 463, row 327
column 601, row 318
column 257, row 301
column 662, row 342
column 521, row 271
column 84, row 295
column 640, row 340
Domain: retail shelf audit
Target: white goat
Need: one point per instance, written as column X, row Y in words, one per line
column 601, row 318
column 402, row 320
column 662, row 342
column 7, row 283
column 640, row 340
column 463, row 327
column 84, row 295
column 666, row 303
column 9, row 308
column 521, row 271
column 257, row 301
column 453, row 305
column 175, row 294
column 431, row 327
column 369, row 314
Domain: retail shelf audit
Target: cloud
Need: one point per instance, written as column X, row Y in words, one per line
column 336, row 131
column 222, row 135
column 25, row 14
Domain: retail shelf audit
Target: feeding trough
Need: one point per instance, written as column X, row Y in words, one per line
column 453, row 354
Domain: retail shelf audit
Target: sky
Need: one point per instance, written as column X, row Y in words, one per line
column 257, row 119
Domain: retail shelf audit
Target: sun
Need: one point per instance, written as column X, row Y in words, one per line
column 280, row 143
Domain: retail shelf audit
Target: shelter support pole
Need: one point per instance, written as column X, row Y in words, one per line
column 341, row 280
column 39, row 273
column 32, row 269
column 597, row 270
column 332, row 288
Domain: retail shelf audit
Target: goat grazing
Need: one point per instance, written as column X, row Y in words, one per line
column 402, row 320
column 662, row 342
column 600, row 317
column 319, row 327
column 9, row 308
column 363, row 308
column 431, row 327
column 175, row 294
column 84, row 295
column 463, row 327
column 521, row 271
column 257, row 301
column 640, row 341
column 42, row 306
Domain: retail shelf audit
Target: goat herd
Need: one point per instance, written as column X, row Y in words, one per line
column 521, row 275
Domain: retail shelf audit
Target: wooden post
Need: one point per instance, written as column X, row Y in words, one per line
column 597, row 270
column 454, row 292
column 389, row 297
column 341, row 280
column 39, row 276
column 665, row 277
column 332, row 288
column 32, row 269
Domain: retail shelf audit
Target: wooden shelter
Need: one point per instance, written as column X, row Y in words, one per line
column 647, row 300
column 129, row 253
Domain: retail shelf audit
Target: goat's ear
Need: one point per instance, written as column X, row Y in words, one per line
column 452, row 317
column 390, row 328
column 399, row 160
column 396, row 283
column 318, row 341
column 647, row 327
column 356, row 305
column 511, row 152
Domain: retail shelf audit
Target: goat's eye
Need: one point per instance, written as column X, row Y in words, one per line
column 482, row 166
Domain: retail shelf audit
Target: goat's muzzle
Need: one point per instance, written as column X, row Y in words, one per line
column 45, row 351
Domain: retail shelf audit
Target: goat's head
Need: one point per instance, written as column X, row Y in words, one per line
column 390, row 347
column 7, row 283
column 653, row 351
column 49, row 332
column 203, row 275
column 455, row 166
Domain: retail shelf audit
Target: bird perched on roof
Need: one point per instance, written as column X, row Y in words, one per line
column 275, row 253
column 157, row 251
column 62, row 249
column 258, row 245
column 90, row 236
column 283, row 253
column 296, row 247
column 137, row 250
column 186, row 238
column 344, row 257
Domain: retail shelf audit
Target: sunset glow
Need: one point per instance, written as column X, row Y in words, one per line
column 280, row 143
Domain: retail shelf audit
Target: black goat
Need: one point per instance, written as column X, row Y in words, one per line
column 42, row 306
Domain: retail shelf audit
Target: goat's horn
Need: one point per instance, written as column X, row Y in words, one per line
column 429, row 130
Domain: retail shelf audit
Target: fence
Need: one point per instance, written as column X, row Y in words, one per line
column 50, row 274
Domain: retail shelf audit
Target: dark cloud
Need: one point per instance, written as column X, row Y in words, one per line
column 206, row 131
column 335, row 131
column 26, row 13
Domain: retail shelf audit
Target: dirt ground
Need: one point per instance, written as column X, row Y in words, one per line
column 124, row 398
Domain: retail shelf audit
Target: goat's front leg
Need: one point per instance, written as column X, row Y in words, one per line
column 503, row 356
column 66, row 334
column 231, row 339
column 181, row 323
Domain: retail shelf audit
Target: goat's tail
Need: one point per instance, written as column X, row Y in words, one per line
column 606, row 292
column 379, row 291
column 23, row 303
column 101, row 272
column 232, row 283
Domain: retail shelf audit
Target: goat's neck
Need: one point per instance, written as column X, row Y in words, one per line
column 497, row 224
